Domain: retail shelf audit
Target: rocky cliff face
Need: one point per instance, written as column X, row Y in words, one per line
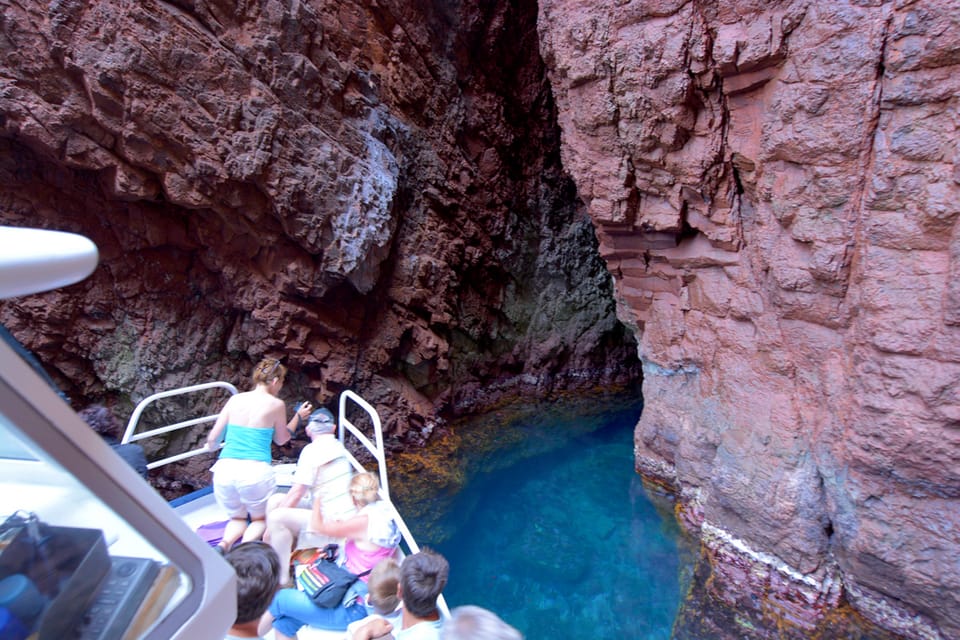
column 776, row 187
column 371, row 190
column 379, row 192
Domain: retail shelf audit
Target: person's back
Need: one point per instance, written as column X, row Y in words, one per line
column 133, row 455
column 332, row 473
column 324, row 467
column 254, row 409
column 332, row 486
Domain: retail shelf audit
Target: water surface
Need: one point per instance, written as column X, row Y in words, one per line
column 556, row 534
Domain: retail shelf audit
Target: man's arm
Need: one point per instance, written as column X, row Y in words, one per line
column 293, row 496
column 354, row 527
column 376, row 628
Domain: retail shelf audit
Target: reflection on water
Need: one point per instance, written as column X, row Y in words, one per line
column 555, row 532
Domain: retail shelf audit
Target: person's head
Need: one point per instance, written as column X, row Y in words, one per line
column 476, row 623
column 101, row 420
column 320, row 422
column 423, row 576
column 383, row 586
column 269, row 371
column 258, row 569
column 364, row 488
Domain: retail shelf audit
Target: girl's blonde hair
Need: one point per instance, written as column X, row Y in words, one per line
column 383, row 586
column 267, row 370
column 364, row 488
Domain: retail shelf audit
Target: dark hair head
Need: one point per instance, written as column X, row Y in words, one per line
column 268, row 369
column 101, row 420
column 422, row 579
column 258, row 569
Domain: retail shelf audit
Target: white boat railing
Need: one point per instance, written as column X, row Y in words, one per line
column 377, row 450
column 130, row 434
column 375, row 447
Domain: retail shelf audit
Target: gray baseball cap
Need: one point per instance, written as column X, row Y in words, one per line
column 321, row 421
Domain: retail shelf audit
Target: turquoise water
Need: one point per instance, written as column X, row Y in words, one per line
column 556, row 534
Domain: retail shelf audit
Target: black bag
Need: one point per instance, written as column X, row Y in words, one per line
column 326, row 583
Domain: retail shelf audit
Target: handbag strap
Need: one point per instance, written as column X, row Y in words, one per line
column 359, row 575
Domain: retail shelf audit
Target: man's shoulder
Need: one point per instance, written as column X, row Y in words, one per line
column 129, row 450
column 322, row 447
column 426, row 630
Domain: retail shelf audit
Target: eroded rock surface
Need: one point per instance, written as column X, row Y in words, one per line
column 378, row 191
column 371, row 190
column 776, row 187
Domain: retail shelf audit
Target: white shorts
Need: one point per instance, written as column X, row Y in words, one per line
column 242, row 487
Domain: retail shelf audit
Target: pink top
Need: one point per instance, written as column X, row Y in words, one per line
column 359, row 560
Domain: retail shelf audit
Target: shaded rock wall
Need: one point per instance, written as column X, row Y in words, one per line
column 371, row 190
column 776, row 187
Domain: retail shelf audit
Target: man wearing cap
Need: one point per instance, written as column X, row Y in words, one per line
column 323, row 473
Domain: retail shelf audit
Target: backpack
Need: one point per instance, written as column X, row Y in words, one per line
column 325, row 582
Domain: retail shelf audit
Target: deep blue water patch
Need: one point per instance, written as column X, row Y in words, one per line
column 556, row 533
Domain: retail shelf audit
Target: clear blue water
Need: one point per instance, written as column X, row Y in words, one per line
column 555, row 532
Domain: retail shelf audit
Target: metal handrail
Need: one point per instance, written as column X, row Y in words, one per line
column 378, row 452
column 130, row 435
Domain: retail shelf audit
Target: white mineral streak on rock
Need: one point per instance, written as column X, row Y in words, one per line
column 713, row 535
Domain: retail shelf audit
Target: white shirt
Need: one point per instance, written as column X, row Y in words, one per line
column 324, row 468
column 429, row 630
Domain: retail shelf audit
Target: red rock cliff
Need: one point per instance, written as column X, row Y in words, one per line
column 372, row 190
column 776, row 187
column 375, row 190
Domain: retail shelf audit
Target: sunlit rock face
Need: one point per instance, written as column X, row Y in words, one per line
column 776, row 188
column 371, row 190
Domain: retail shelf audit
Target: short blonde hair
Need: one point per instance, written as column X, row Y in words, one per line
column 364, row 488
column 268, row 369
column 383, row 586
